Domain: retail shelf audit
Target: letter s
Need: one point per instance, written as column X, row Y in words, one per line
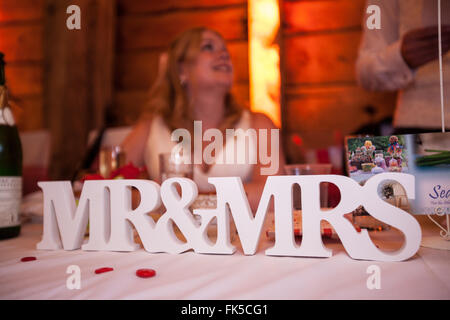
column 436, row 192
column 394, row 216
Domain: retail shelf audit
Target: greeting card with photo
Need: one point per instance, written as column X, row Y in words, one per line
column 426, row 156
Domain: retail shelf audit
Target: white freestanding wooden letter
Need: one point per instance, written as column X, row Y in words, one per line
column 230, row 191
column 110, row 222
column 357, row 244
column 108, row 205
column 63, row 217
column 393, row 216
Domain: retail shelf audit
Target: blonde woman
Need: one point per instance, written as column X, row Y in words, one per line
column 194, row 85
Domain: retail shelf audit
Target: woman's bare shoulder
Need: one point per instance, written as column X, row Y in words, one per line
column 143, row 124
column 260, row 120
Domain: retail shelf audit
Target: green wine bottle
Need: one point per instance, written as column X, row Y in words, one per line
column 10, row 165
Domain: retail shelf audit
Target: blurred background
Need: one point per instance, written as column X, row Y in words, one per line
column 66, row 83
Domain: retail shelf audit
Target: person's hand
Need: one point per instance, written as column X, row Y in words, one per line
column 420, row 46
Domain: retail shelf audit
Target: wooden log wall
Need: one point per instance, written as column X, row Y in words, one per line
column 146, row 28
column 321, row 98
column 21, row 40
column 61, row 78
column 78, row 80
column 319, row 41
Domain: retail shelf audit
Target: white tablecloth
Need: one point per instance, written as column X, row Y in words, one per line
column 195, row 276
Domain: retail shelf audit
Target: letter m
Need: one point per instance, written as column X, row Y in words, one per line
column 64, row 221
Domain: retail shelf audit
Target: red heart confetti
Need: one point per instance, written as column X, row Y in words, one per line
column 103, row 270
column 26, row 259
column 145, row 273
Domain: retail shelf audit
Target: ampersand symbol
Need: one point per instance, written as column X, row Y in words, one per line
column 178, row 212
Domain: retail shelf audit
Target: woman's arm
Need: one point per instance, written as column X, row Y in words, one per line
column 134, row 144
column 255, row 187
column 134, row 147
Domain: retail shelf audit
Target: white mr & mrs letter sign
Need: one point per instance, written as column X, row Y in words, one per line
column 107, row 206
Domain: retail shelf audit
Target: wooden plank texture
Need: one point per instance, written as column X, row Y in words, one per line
column 21, row 36
column 241, row 92
column 143, row 32
column 321, row 58
column 146, row 6
column 308, row 16
column 128, row 106
column 22, row 42
column 317, row 113
column 21, row 10
column 138, row 70
column 25, row 79
column 102, row 58
column 28, row 112
column 321, row 99
column 78, row 82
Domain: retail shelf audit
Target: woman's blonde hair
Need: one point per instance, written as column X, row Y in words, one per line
column 168, row 96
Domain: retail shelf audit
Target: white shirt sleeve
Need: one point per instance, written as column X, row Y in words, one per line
column 380, row 65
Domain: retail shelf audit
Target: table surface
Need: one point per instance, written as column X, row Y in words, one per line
column 198, row 276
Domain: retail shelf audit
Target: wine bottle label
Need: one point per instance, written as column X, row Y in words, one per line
column 10, row 198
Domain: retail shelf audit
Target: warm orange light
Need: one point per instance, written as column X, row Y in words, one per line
column 264, row 56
